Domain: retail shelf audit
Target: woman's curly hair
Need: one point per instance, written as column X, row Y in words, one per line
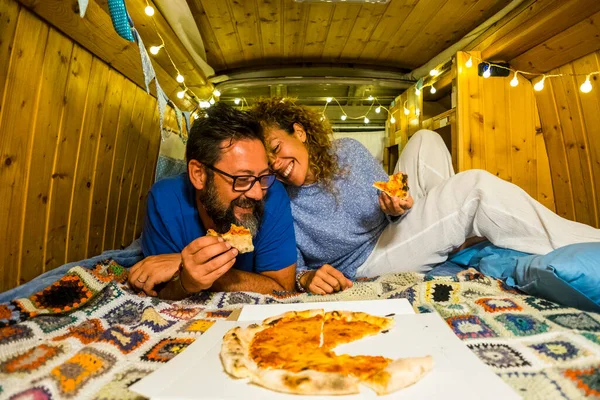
column 282, row 113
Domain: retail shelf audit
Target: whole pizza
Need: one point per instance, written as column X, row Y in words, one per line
column 294, row 353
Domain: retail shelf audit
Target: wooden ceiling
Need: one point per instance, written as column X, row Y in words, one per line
column 402, row 34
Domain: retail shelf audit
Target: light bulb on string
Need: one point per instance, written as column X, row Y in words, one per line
column 434, row 72
column 378, row 110
column 406, row 111
column 487, row 73
column 212, row 100
column 181, row 94
column 586, row 87
column 417, row 92
column 149, row 10
column 237, row 100
column 370, row 98
column 155, row 49
column 432, row 91
column 366, row 120
column 469, row 62
column 204, row 104
column 180, row 78
column 515, row 80
column 194, row 116
column 393, row 120
column 329, row 99
column 343, row 117
column 540, row 85
column 217, row 93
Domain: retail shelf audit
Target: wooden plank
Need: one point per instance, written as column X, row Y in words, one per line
column 566, row 93
column 319, row 18
column 214, row 54
column 393, row 17
column 571, row 44
column 16, row 123
column 128, row 103
column 63, row 173
column 137, row 175
column 96, row 33
column 247, row 28
column 78, row 231
column 295, row 19
column 555, row 146
column 270, row 13
column 9, row 12
column 104, row 161
column 467, row 109
column 340, row 28
column 368, row 18
column 549, row 22
column 493, row 134
column 134, row 132
column 148, row 176
column 222, row 23
column 447, row 26
column 527, row 10
column 45, row 140
column 522, row 134
column 401, row 51
column 590, row 111
column 545, row 192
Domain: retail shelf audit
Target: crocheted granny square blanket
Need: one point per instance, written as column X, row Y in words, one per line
column 90, row 336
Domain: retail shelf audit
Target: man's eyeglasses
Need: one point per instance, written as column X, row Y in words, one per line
column 243, row 183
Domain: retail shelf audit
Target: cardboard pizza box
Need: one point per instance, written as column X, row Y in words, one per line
column 197, row 373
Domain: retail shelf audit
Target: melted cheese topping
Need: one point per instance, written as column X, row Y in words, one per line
column 397, row 185
column 293, row 344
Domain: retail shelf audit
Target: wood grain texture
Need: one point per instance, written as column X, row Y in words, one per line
column 65, row 127
column 96, row 34
column 569, row 120
column 20, row 100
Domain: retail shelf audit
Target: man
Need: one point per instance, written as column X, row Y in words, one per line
column 226, row 182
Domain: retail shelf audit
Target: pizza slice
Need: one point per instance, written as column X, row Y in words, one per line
column 238, row 236
column 397, row 186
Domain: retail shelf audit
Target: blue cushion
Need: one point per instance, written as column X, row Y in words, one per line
column 569, row 275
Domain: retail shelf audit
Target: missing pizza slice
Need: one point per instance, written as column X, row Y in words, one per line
column 397, row 186
column 238, row 236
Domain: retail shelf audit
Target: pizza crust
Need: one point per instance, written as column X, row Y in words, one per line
column 399, row 374
column 306, row 382
column 238, row 236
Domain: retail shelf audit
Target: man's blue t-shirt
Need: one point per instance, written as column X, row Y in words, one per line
column 173, row 222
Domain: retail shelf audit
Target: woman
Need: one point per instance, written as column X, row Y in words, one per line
column 346, row 229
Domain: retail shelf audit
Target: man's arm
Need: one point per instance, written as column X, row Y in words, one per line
column 266, row 282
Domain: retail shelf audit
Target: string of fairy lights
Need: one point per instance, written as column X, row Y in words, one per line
column 156, row 49
column 585, row 87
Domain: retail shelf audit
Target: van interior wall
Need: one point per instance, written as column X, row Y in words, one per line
column 78, row 148
column 571, row 126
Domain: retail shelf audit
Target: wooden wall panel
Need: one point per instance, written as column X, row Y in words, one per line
column 16, row 123
column 78, row 149
column 570, row 121
column 45, row 137
column 497, row 130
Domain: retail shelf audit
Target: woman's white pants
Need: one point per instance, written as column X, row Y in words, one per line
column 449, row 208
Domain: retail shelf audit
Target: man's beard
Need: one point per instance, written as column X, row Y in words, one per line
column 224, row 216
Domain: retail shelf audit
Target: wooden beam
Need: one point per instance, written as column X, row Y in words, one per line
column 576, row 42
column 144, row 24
column 548, row 23
column 96, row 34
